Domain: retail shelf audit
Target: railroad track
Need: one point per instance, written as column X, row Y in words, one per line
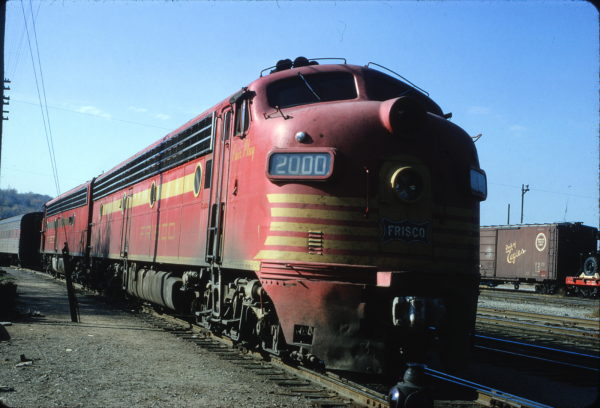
column 537, row 298
column 586, row 331
column 321, row 389
column 590, row 326
column 580, row 367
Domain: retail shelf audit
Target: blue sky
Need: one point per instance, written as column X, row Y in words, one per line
column 120, row 75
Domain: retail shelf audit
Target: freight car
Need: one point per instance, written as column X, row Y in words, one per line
column 587, row 282
column 20, row 240
column 541, row 254
column 326, row 213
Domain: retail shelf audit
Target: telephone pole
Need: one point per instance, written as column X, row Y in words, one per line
column 3, row 100
column 524, row 189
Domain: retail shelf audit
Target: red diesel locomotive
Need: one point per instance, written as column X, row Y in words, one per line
column 328, row 213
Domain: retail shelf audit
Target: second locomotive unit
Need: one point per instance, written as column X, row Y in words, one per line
column 327, row 213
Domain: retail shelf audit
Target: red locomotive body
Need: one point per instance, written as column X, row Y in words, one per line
column 66, row 221
column 329, row 213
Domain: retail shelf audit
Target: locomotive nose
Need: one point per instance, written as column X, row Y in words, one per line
column 403, row 115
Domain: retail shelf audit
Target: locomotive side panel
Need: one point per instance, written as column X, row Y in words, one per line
column 67, row 221
column 107, row 221
column 194, row 213
column 247, row 210
column 141, row 220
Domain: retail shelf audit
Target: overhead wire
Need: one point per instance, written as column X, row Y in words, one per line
column 17, row 50
column 45, row 120
column 37, row 48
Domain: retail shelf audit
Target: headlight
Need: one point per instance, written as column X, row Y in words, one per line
column 478, row 184
column 407, row 183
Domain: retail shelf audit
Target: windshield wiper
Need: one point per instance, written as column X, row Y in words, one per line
column 309, row 87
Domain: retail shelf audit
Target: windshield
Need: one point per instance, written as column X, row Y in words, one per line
column 381, row 87
column 304, row 89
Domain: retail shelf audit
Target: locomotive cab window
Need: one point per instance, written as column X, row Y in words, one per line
column 153, row 194
column 197, row 179
column 304, row 89
column 226, row 125
column 242, row 117
column 381, row 87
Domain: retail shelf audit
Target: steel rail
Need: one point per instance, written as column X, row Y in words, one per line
column 487, row 395
column 537, row 298
column 536, row 327
column 359, row 394
column 346, row 389
column 588, row 324
column 547, row 360
column 537, row 346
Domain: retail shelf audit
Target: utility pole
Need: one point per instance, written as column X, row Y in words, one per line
column 68, row 267
column 524, row 189
column 508, row 217
column 3, row 100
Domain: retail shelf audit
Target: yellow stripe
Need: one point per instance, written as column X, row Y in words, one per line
column 305, row 257
column 111, row 207
column 317, row 214
column 326, row 229
column 354, row 260
column 327, row 243
column 382, row 263
column 169, row 189
column 178, row 186
column 143, row 197
column 316, row 199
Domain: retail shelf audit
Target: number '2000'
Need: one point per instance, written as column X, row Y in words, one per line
column 300, row 164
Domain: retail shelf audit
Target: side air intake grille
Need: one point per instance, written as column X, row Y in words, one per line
column 192, row 142
column 315, row 242
column 73, row 200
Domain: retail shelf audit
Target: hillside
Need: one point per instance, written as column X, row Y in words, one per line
column 13, row 203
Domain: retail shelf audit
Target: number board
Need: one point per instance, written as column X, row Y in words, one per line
column 300, row 165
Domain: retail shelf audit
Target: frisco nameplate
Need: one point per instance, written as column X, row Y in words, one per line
column 406, row 231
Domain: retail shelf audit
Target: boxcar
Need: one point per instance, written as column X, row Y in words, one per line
column 542, row 254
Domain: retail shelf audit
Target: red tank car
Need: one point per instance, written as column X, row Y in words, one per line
column 327, row 213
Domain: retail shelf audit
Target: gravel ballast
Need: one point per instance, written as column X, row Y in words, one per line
column 113, row 358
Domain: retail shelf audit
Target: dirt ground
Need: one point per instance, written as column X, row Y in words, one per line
column 113, row 359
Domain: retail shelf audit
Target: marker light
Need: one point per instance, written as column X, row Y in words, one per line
column 478, row 182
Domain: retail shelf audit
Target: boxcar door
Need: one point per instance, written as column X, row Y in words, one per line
column 214, row 239
column 126, row 225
